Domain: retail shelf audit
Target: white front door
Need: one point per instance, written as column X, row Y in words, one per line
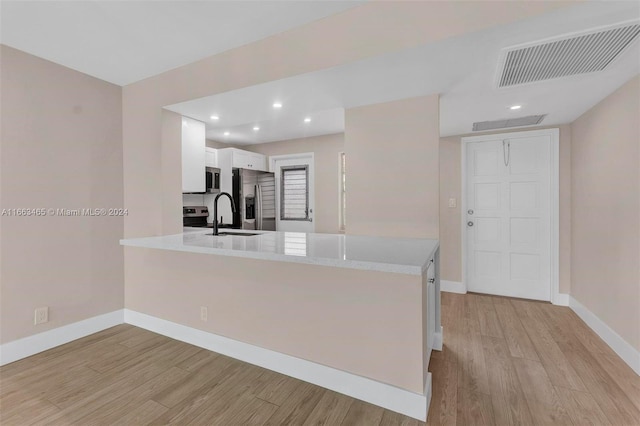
column 508, row 216
column 294, row 192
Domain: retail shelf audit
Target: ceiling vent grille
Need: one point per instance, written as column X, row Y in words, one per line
column 529, row 120
column 568, row 55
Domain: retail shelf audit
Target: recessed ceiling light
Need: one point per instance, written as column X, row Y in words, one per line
column 226, row 133
column 256, row 128
column 515, row 107
column 307, row 120
column 215, row 117
column 277, row 105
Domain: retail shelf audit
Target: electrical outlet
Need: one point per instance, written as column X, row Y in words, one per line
column 452, row 203
column 203, row 313
column 41, row 315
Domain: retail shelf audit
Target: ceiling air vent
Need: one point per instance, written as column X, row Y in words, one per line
column 564, row 56
column 529, row 120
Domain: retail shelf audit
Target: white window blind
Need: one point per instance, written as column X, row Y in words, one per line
column 294, row 187
column 268, row 185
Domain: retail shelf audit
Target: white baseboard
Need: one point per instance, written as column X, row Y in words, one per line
column 437, row 340
column 428, row 390
column 560, row 299
column 377, row 393
column 31, row 345
column 628, row 353
column 453, row 287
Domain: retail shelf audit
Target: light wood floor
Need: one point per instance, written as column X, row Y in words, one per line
column 509, row 361
column 504, row 362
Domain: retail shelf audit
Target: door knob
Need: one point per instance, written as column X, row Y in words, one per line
column 469, row 223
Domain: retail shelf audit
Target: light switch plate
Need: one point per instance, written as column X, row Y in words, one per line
column 453, row 203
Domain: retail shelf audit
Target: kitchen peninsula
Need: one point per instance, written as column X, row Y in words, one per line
column 355, row 314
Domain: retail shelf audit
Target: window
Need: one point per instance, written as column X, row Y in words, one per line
column 294, row 187
column 343, row 193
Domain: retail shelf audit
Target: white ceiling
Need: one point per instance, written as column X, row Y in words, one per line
column 323, row 95
column 126, row 41
column 461, row 69
column 476, row 98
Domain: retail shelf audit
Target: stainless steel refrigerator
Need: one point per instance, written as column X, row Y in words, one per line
column 254, row 194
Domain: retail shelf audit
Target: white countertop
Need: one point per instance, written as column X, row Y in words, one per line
column 400, row 255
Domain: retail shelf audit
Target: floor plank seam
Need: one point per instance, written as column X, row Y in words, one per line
column 160, row 403
column 53, row 403
column 268, row 402
column 92, row 369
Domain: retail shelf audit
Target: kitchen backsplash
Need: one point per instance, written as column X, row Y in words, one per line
column 193, row 199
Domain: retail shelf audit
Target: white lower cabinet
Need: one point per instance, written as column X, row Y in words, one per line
column 431, row 310
column 431, row 306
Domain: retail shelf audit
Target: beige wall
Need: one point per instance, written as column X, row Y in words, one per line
column 171, row 148
column 392, row 163
column 451, row 187
column 61, row 148
column 267, row 304
column 606, row 206
column 326, row 151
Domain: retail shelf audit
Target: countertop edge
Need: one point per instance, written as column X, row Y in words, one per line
column 336, row 263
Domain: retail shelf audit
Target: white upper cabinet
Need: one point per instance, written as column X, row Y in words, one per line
column 258, row 162
column 247, row 160
column 211, row 157
column 193, row 155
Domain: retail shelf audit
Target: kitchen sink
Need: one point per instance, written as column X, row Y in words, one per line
column 241, row 234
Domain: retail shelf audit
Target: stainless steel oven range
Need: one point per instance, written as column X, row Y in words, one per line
column 195, row 216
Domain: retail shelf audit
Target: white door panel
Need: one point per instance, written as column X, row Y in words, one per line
column 508, row 217
column 524, row 232
column 524, row 196
column 488, row 264
column 525, row 157
column 488, row 196
column 486, row 162
column 488, row 230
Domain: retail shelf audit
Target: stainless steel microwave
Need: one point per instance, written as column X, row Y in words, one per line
column 212, row 180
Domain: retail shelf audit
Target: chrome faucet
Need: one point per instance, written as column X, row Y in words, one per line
column 215, row 210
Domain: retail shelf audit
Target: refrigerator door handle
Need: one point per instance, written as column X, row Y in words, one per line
column 258, row 207
column 261, row 208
